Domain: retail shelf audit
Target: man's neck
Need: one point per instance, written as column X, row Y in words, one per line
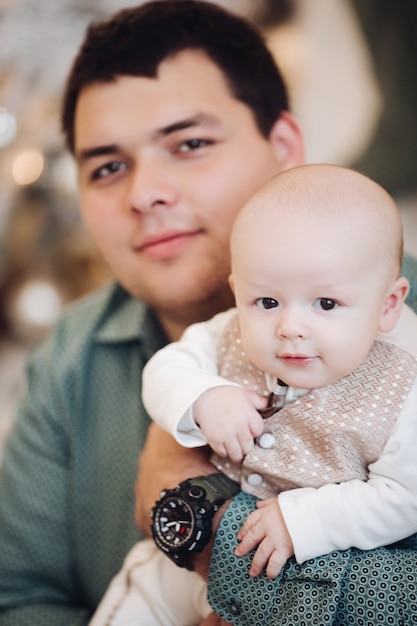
column 175, row 323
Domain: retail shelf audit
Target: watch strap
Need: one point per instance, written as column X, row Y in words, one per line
column 218, row 487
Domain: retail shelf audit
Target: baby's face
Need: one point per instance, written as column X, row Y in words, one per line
column 310, row 301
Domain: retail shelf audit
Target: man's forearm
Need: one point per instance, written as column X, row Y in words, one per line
column 164, row 463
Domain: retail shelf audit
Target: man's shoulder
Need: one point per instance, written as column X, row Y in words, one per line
column 409, row 270
column 85, row 314
column 82, row 320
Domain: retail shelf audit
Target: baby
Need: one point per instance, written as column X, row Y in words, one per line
column 307, row 391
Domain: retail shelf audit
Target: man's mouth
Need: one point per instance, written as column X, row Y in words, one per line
column 166, row 244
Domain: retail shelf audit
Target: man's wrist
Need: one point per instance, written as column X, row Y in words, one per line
column 201, row 561
column 182, row 518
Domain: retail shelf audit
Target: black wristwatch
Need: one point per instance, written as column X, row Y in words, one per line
column 182, row 519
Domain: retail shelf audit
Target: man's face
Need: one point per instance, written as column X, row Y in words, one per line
column 165, row 164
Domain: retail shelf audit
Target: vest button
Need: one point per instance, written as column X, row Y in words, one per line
column 266, row 440
column 254, row 479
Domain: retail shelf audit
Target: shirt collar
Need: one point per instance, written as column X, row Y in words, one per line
column 291, row 393
column 127, row 319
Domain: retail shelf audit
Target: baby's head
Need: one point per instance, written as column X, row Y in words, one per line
column 316, row 258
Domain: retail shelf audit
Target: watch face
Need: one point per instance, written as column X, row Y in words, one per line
column 174, row 522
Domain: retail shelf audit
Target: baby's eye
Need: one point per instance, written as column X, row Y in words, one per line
column 266, row 303
column 326, row 304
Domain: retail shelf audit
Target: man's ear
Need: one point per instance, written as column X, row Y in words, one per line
column 287, row 140
column 393, row 304
column 232, row 283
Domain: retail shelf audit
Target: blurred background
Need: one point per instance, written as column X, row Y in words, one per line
column 351, row 68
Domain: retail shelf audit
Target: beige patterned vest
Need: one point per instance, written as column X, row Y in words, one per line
column 329, row 435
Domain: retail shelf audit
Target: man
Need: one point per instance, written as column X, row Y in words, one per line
column 176, row 114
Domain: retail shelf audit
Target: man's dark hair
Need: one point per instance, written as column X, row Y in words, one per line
column 134, row 42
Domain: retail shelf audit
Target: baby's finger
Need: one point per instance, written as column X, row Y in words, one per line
column 262, row 504
column 249, row 540
column 256, row 425
column 261, row 556
column 246, row 443
column 219, row 448
column 275, row 564
column 234, row 451
column 252, row 519
column 258, row 402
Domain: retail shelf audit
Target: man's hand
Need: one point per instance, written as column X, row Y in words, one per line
column 266, row 529
column 229, row 419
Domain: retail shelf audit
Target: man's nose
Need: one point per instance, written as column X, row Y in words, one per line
column 151, row 186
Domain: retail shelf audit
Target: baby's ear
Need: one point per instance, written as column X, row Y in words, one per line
column 393, row 304
column 232, row 283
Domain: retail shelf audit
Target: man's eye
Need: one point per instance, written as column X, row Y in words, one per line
column 193, row 144
column 326, row 304
column 108, row 169
column 267, row 303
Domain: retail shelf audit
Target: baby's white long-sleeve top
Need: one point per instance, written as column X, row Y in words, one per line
column 334, row 516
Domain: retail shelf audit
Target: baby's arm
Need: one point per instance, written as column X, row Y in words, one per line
column 360, row 514
column 179, row 374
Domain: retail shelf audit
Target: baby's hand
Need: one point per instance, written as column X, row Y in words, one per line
column 266, row 529
column 229, row 419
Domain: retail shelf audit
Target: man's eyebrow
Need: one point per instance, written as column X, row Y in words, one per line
column 90, row 153
column 201, row 119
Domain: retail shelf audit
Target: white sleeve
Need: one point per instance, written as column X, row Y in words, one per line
column 178, row 374
column 360, row 514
